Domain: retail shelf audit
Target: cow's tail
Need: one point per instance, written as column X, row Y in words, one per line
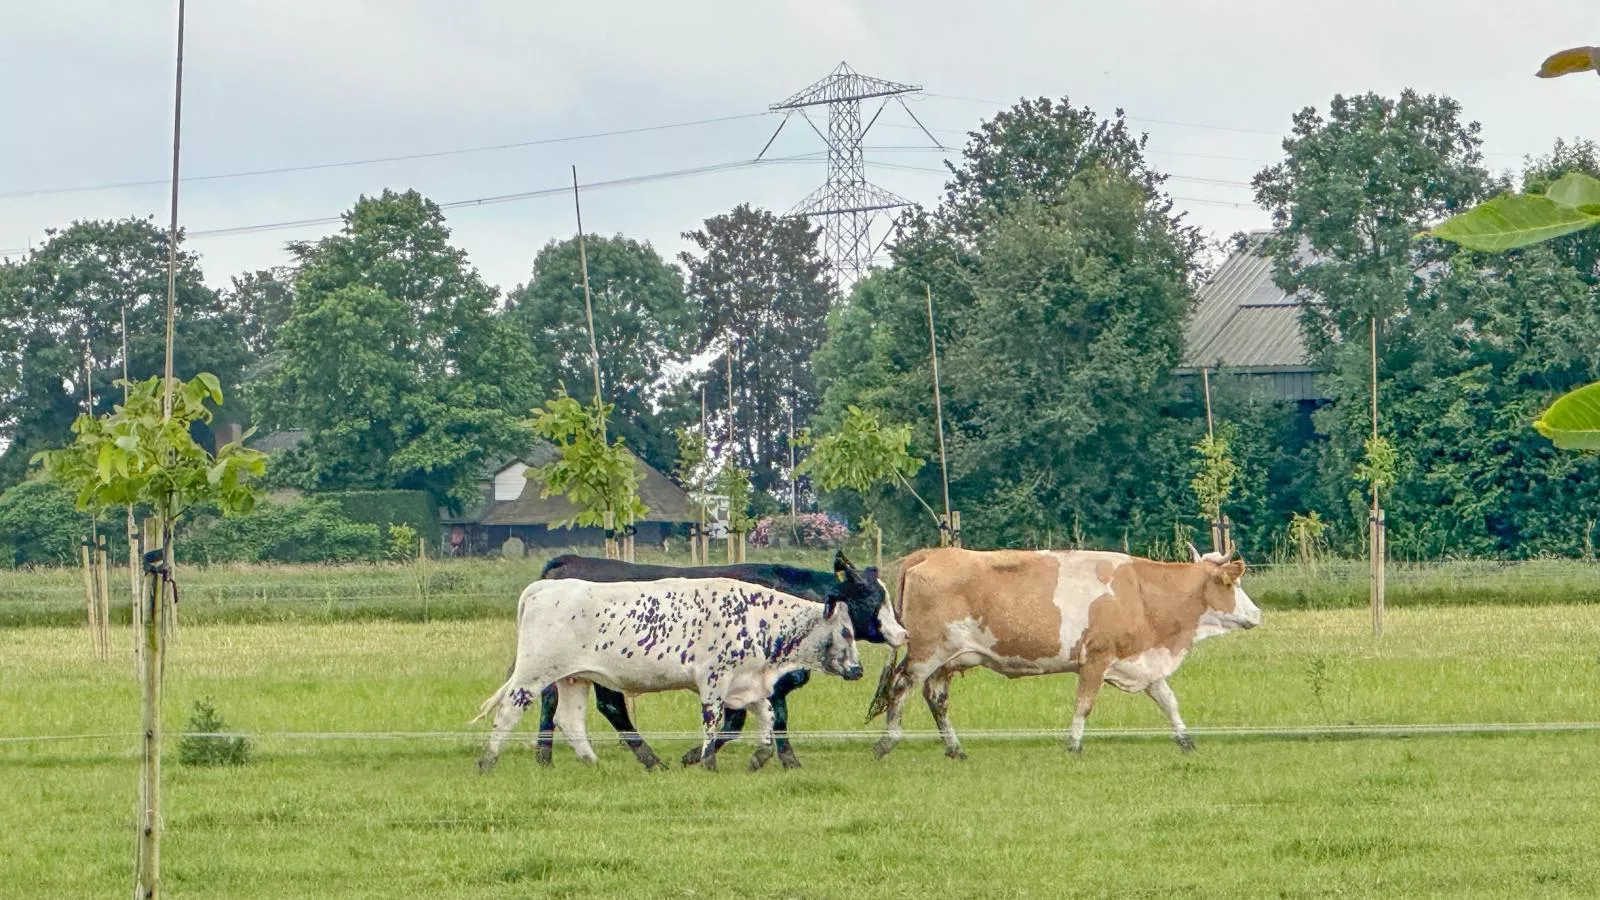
column 895, row 666
column 494, row 701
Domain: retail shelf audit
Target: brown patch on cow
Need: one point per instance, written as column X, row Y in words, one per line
column 1156, row 605
column 1010, row 593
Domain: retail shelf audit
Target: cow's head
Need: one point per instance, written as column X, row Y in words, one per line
column 835, row 642
column 867, row 598
column 1227, row 606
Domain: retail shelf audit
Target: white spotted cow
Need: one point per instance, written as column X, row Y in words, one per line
column 1109, row 617
column 728, row 640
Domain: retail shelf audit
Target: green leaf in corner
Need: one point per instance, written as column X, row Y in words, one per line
column 1511, row 221
column 1575, row 189
column 1573, row 421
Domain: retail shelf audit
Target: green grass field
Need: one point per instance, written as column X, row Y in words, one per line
column 1500, row 816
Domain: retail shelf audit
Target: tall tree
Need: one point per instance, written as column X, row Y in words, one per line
column 262, row 301
column 65, row 302
column 1061, row 280
column 764, row 294
column 396, row 360
column 644, row 327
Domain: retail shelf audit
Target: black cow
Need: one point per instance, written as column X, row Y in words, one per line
column 861, row 592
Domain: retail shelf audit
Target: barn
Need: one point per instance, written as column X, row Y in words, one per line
column 513, row 508
column 1247, row 325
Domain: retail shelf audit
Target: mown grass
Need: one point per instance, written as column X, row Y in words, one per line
column 487, row 588
column 1427, row 816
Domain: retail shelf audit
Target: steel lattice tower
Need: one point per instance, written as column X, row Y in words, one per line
column 847, row 203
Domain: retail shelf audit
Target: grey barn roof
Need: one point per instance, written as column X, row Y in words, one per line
column 1244, row 321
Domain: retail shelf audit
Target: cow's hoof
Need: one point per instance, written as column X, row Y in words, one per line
column 956, row 753
column 691, row 758
column 759, row 758
column 544, row 756
column 650, row 761
column 1075, row 749
column 709, row 763
column 486, row 764
column 789, row 760
column 1185, row 743
column 882, row 748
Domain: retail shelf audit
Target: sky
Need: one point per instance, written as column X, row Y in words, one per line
column 291, row 84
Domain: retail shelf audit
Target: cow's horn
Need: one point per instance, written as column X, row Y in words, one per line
column 1194, row 551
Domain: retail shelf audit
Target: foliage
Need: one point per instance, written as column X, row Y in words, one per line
column 1061, row 280
column 689, row 469
column 66, row 301
column 207, row 742
column 1213, row 483
column 643, row 322
column 137, row 456
column 307, row 531
column 40, row 525
column 763, row 291
column 814, row 530
column 860, row 455
column 395, row 359
column 595, row 476
column 1308, row 535
column 262, row 301
column 733, row 483
column 1377, row 467
column 401, row 542
column 414, row 509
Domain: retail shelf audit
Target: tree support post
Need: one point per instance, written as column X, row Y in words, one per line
column 157, row 570
column 1378, row 544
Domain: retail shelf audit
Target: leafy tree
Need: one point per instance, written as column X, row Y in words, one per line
column 40, row 525
column 644, row 326
column 66, row 301
column 262, row 301
column 1061, row 280
column 862, row 455
column 597, row 477
column 1213, row 483
column 764, row 291
column 395, row 360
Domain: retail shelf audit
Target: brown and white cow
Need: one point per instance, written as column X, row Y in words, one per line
column 1109, row 617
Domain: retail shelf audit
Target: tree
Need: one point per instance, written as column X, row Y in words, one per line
column 644, row 328
column 395, row 360
column 262, row 301
column 764, row 293
column 598, row 478
column 65, row 302
column 1061, row 280
column 862, row 455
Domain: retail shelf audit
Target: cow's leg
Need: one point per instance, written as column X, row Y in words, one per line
column 732, row 724
column 516, row 701
column 1162, row 694
column 570, row 716
column 1090, row 676
column 764, row 717
column 614, row 707
column 780, row 714
column 936, row 690
column 710, row 715
column 547, row 729
column 905, row 678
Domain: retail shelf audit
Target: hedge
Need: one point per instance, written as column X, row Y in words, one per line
column 385, row 508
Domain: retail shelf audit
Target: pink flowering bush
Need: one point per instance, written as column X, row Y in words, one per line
column 818, row 530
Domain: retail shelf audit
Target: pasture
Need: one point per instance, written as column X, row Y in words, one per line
column 388, row 814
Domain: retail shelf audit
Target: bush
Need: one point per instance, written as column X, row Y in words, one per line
column 39, row 525
column 401, row 544
column 307, row 531
column 204, row 745
column 818, row 530
column 385, row 508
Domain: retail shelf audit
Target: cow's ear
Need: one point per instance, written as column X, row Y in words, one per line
column 1232, row 571
column 841, row 565
column 829, row 607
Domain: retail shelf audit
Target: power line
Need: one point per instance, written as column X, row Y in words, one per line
column 281, row 170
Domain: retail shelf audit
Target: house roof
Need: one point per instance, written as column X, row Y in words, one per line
column 1243, row 320
column 666, row 501
column 278, row 441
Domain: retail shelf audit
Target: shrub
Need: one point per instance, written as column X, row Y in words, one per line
column 818, row 530
column 307, row 531
column 205, row 745
column 40, row 526
column 401, row 543
column 384, row 508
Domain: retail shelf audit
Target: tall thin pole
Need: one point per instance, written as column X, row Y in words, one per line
column 1205, row 378
column 733, row 455
column 136, row 607
column 794, row 487
column 938, row 407
column 149, row 886
column 588, row 304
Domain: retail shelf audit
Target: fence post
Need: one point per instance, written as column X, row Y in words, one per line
column 103, row 573
column 86, row 558
column 1377, row 542
column 955, row 530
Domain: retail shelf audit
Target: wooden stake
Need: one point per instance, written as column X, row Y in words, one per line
column 938, row 416
column 1377, row 541
column 149, row 855
column 955, row 531
column 89, row 593
column 135, row 596
column 103, row 577
column 588, row 304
